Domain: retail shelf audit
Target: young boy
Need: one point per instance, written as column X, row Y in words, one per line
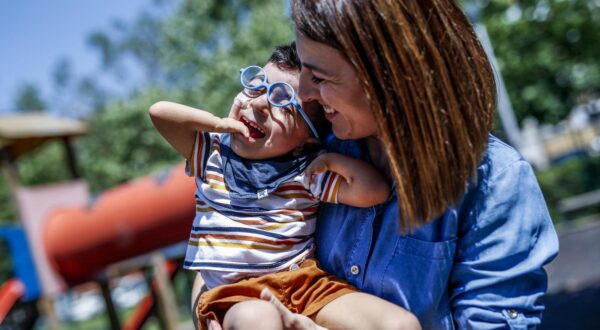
column 260, row 179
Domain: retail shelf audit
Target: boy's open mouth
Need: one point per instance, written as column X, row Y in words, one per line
column 255, row 131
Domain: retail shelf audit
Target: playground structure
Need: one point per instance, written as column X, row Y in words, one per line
column 67, row 238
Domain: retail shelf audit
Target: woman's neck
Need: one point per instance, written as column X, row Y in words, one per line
column 378, row 155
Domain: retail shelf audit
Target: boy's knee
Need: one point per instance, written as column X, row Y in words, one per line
column 252, row 314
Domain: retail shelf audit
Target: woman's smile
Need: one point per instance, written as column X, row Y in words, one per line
column 329, row 113
column 328, row 78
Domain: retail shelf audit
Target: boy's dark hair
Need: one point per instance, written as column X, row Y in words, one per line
column 285, row 57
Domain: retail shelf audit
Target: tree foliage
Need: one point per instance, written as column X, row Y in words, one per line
column 208, row 41
column 574, row 177
column 547, row 53
column 122, row 143
column 29, row 98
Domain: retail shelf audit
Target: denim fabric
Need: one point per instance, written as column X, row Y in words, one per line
column 478, row 266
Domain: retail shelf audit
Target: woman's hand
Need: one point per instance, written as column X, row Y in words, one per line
column 291, row 321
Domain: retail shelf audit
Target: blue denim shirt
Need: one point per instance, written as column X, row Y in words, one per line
column 478, row 266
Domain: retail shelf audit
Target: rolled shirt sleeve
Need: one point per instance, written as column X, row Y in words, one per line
column 506, row 236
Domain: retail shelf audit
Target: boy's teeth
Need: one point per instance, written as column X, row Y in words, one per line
column 253, row 125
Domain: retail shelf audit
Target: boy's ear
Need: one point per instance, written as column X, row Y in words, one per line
column 312, row 140
column 311, row 144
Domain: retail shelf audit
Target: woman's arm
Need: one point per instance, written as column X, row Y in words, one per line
column 505, row 238
column 363, row 184
column 178, row 124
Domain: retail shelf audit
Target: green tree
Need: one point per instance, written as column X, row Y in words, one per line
column 29, row 99
column 122, row 143
column 138, row 40
column 546, row 52
column 62, row 74
column 567, row 179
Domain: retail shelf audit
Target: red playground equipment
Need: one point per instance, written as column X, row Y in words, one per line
column 123, row 222
column 73, row 239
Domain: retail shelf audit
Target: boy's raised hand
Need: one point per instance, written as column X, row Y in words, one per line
column 231, row 125
column 317, row 166
column 235, row 125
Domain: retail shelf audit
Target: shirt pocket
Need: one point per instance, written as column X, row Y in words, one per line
column 417, row 277
column 429, row 250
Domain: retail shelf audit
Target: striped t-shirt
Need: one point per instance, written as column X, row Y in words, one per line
column 232, row 239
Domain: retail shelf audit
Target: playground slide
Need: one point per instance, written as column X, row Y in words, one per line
column 126, row 221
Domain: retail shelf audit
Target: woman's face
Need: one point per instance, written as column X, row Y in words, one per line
column 328, row 78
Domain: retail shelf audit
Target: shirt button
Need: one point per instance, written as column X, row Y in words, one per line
column 512, row 313
column 354, row 270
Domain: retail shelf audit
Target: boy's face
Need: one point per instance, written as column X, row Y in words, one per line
column 276, row 131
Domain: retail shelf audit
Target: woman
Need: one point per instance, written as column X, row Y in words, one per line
column 408, row 87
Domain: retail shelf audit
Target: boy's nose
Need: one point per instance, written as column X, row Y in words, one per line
column 260, row 105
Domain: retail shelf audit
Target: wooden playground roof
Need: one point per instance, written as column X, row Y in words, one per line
column 23, row 132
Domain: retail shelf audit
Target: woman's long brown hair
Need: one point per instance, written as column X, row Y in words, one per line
column 430, row 85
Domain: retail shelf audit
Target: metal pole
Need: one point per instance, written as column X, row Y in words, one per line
column 505, row 110
column 110, row 306
column 167, row 306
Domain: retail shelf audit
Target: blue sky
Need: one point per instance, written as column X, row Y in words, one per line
column 35, row 34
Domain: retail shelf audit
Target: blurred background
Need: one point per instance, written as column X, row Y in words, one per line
column 77, row 80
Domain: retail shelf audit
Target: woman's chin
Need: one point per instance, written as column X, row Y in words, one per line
column 342, row 134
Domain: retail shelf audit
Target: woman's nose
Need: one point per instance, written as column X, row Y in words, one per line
column 307, row 90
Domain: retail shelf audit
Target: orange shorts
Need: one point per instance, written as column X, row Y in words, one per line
column 305, row 291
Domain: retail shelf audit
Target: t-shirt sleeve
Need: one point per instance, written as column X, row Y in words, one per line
column 195, row 164
column 326, row 186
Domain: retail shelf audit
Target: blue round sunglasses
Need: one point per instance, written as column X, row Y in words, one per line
column 279, row 94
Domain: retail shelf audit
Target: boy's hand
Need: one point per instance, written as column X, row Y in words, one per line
column 238, row 103
column 317, row 166
column 230, row 125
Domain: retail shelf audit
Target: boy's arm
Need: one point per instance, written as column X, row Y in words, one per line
column 363, row 184
column 178, row 124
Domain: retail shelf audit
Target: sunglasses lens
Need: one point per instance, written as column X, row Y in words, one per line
column 253, row 77
column 281, row 94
